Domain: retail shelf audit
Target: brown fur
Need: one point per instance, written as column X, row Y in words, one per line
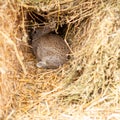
column 50, row 49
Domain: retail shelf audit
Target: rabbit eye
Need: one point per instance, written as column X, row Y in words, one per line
column 35, row 32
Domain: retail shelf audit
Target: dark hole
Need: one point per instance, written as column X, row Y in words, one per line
column 34, row 17
column 40, row 18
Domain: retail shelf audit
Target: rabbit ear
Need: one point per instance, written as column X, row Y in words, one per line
column 41, row 64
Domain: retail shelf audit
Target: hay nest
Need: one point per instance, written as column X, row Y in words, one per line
column 87, row 87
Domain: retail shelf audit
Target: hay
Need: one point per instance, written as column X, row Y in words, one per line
column 87, row 87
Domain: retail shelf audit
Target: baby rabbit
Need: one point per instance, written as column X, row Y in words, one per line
column 50, row 49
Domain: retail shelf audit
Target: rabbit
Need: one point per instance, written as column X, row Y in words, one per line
column 50, row 49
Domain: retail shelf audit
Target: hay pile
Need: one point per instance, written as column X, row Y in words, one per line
column 87, row 87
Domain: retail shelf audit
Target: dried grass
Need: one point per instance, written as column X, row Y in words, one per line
column 86, row 88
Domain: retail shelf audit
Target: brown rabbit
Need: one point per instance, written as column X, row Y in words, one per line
column 50, row 49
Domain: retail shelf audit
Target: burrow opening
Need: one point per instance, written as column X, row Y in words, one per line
column 34, row 20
